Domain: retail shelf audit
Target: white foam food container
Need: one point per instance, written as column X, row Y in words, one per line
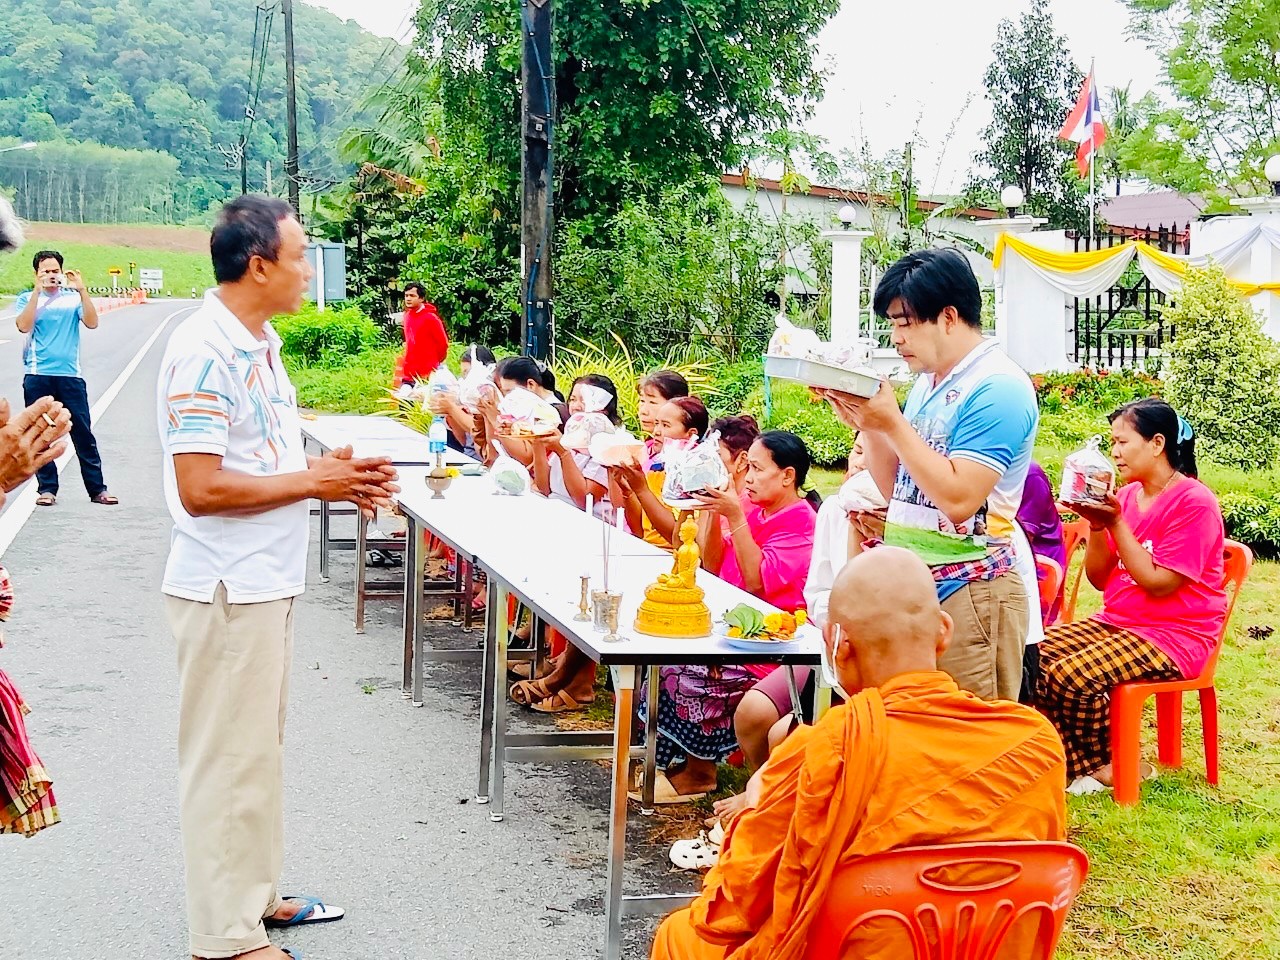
column 815, row 374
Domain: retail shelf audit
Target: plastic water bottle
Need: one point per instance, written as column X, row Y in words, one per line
column 438, row 435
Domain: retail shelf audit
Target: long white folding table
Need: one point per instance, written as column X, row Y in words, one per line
column 536, row 550
column 378, row 436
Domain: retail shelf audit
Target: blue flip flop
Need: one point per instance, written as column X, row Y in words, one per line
column 293, row 952
column 314, row 910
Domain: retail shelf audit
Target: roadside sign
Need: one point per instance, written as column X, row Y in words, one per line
column 151, row 279
column 115, row 271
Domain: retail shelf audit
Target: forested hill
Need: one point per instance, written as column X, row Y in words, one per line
column 174, row 76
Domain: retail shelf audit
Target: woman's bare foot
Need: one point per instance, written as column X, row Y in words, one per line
column 729, row 807
column 1106, row 775
column 693, row 776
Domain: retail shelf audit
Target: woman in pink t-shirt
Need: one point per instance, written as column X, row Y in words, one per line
column 763, row 547
column 1155, row 551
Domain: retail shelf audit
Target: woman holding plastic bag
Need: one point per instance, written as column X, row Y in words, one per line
column 1155, row 552
column 678, row 425
column 569, row 473
column 766, row 552
column 458, row 406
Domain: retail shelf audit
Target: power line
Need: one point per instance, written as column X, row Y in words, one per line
column 782, row 230
column 355, row 104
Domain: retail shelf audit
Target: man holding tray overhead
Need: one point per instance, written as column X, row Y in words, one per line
column 952, row 464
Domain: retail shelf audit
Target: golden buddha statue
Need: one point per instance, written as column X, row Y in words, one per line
column 673, row 605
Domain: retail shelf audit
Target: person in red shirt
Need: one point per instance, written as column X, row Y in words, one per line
column 425, row 342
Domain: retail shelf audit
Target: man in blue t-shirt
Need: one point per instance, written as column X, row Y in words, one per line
column 952, row 464
column 50, row 315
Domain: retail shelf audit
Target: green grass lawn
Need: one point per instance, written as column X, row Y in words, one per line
column 182, row 271
column 1194, row 872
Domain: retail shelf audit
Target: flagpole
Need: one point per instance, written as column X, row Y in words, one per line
column 1093, row 154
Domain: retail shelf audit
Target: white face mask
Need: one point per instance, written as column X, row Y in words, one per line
column 829, row 675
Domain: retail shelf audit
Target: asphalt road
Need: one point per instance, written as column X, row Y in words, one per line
column 379, row 815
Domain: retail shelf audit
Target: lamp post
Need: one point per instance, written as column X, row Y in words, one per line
column 846, row 275
column 1011, row 198
column 1272, row 173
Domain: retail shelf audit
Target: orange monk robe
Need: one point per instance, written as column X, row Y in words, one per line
column 913, row 763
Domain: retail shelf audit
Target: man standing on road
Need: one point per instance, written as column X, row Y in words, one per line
column 237, row 482
column 952, row 465
column 50, row 315
column 425, row 342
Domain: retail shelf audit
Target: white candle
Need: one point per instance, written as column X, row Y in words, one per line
column 590, row 504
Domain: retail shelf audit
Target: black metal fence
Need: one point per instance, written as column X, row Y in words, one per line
column 1124, row 326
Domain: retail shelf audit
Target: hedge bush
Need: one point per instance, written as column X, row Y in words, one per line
column 331, row 338
column 791, row 408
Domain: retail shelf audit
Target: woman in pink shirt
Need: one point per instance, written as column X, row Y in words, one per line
column 763, row 546
column 1155, row 550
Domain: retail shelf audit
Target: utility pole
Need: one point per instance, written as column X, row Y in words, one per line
column 244, row 166
column 537, row 196
column 269, row 184
column 291, row 99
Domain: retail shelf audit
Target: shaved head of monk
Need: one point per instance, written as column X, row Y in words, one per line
column 885, row 619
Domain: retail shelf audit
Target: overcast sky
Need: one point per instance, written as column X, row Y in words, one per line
column 878, row 87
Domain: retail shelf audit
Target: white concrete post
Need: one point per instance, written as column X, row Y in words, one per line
column 846, row 283
column 1264, row 261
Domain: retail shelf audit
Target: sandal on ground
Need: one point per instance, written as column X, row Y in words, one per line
column 528, row 692
column 663, row 792
column 561, row 702
column 701, row 853
column 46, row 500
column 314, row 910
column 105, row 499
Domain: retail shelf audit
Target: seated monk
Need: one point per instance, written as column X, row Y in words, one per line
column 908, row 760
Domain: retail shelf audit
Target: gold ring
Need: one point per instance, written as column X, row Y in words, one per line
column 48, row 419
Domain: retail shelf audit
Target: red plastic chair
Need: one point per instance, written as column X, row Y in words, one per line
column 1049, row 580
column 1075, row 536
column 1127, row 700
column 947, row 918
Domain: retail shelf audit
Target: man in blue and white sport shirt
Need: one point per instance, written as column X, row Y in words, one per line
column 50, row 315
column 952, row 464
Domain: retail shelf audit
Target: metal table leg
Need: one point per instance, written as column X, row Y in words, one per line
column 489, row 690
column 413, row 587
column 501, row 636
column 419, row 584
column 324, row 541
column 650, row 744
column 362, row 539
column 624, row 679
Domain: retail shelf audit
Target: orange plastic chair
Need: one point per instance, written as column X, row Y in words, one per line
column 1127, row 700
column 917, row 895
column 1075, row 536
column 1049, row 580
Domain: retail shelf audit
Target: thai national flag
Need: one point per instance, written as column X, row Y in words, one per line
column 1084, row 126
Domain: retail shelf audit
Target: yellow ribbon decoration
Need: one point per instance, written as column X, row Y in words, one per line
column 1084, row 260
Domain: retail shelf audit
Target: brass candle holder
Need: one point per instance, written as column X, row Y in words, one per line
column 584, row 607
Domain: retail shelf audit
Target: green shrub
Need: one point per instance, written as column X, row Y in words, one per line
column 328, row 338
column 359, row 386
column 1253, row 520
column 1224, row 372
column 1092, row 391
column 732, row 385
column 791, row 408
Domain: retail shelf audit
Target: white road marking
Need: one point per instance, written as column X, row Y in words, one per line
column 23, row 503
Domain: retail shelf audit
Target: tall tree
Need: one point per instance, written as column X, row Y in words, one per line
column 1126, row 116
column 1032, row 84
column 650, row 94
column 1222, row 66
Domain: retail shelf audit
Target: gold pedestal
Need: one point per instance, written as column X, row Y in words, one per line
column 673, row 604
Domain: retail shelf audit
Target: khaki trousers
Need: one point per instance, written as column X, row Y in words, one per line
column 991, row 620
column 233, row 671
